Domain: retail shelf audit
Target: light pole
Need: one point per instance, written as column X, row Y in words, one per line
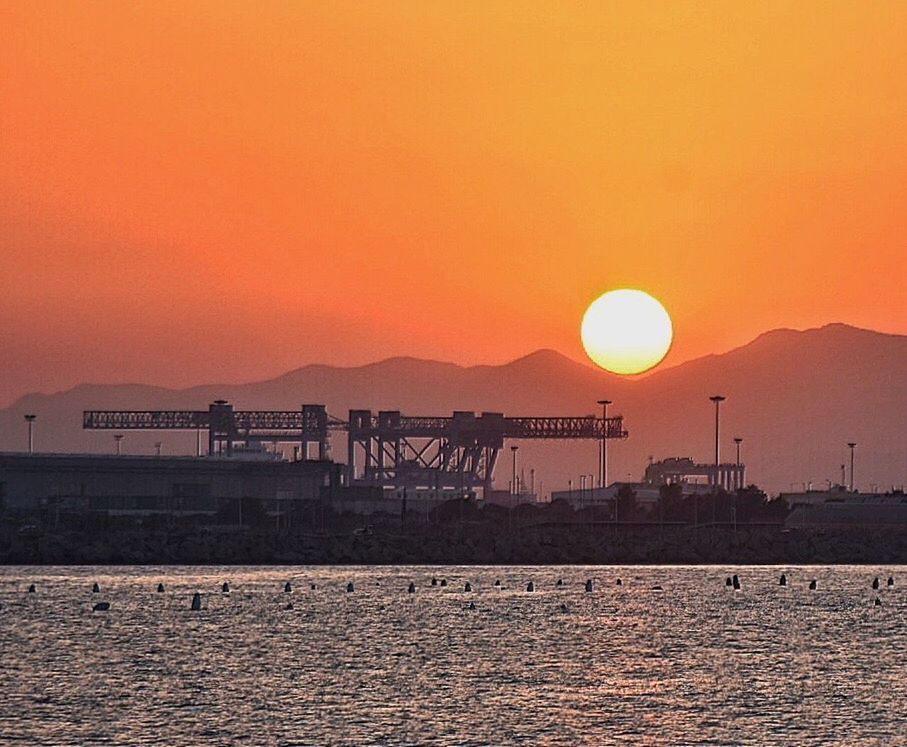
column 119, row 440
column 738, row 480
column 717, row 399
column 603, row 467
column 513, row 450
column 30, row 419
column 157, row 448
column 851, row 444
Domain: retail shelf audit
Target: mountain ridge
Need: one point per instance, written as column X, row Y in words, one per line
column 794, row 396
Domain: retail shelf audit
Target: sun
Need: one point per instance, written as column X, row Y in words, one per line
column 626, row 331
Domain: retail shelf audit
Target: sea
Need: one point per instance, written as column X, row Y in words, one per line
column 652, row 655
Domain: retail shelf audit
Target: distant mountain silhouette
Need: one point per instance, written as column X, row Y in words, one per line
column 795, row 397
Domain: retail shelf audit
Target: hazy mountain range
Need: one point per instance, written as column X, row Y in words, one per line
column 795, row 397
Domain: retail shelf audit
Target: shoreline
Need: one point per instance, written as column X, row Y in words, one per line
column 459, row 545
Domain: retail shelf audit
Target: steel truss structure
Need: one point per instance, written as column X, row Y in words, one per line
column 387, row 449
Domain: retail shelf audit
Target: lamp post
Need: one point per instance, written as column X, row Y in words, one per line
column 717, row 399
column 851, row 445
column 513, row 451
column 603, row 467
column 119, row 440
column 738, row 480
column 30, row 419
column 157, row 448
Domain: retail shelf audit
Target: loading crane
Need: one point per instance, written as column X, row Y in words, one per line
column 385, row 449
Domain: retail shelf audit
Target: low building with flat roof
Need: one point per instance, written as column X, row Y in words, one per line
column 144, row 485
column 840, row 507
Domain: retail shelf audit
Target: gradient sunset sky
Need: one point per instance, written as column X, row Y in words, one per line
column 223, row 191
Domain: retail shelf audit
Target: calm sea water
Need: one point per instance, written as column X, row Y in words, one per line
column 692, row 663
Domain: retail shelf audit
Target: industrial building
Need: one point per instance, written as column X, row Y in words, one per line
column 840, row 507
column 145, row 485
column 685, row 470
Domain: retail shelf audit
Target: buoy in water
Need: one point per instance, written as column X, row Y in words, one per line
column 530, row 586
column 443, row 582
column 812, row 585
column 560, row 582
column 728, row 582
column 657, row 588
column 468, row 587
column 878, row 602
column 472, row 605
column 434, row 582
column 619, row 582
column 31, row 589
column 225, row 588
column 160, row 588
column 287, row 587
column 588, row 585
column 95, row 588
column 412, row 588
column 891, row 580
column 312, row 587
column 875, row 583
column 349, row 587
column 563, row 607
column 196, row 601
column 783, row 581
column 289, row 606
column 497, row 582
column 101, row 607
column 736, row 582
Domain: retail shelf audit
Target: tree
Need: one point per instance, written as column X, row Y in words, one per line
column 625, row 504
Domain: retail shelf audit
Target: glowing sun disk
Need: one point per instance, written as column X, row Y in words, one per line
column 626, row 331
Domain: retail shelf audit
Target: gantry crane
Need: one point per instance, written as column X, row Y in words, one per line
column 458, row 452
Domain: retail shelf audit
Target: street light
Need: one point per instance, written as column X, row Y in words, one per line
column 30, row 419
column 717, row 399
column 851, row 444
column 603, row 467
column 513, row 490
column 738, row 480
column 119, row 439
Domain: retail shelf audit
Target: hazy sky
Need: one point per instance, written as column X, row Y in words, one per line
column 194, row 192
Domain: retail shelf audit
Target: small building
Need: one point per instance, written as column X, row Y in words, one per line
column 508, row 499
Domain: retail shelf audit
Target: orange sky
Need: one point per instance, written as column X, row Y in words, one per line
column 225, row 191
